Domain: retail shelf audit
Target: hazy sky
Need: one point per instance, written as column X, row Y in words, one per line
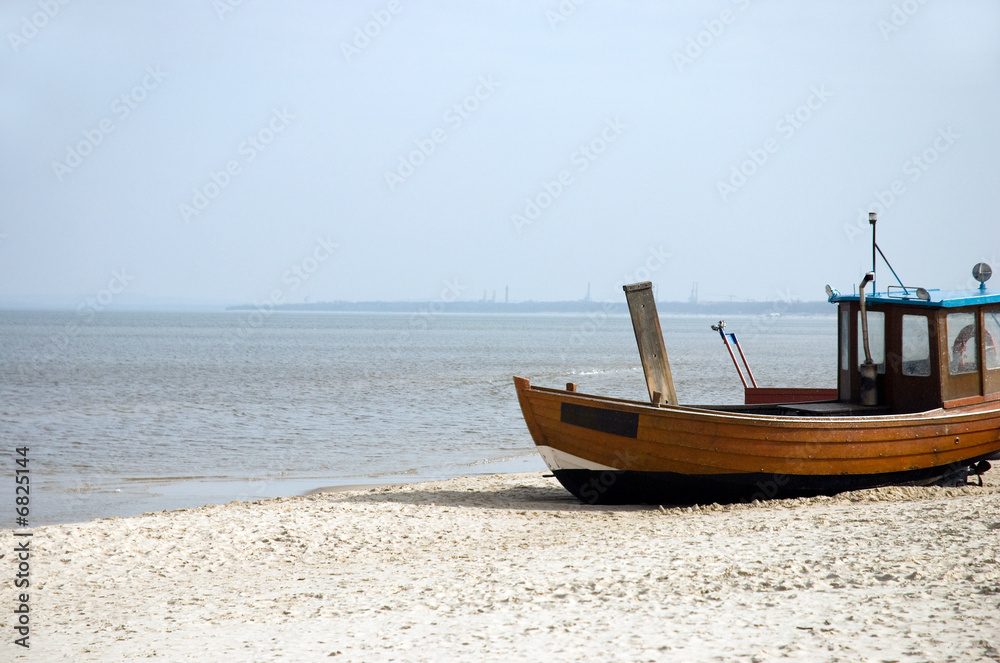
column 233, row 151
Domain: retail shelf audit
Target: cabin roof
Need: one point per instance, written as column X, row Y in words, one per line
column 938, row 298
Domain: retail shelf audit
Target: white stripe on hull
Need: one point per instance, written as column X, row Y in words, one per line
column 560, row 460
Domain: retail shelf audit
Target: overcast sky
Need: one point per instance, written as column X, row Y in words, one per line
column 233, row 151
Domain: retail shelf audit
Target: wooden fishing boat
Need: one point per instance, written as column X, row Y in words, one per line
column 917, row 402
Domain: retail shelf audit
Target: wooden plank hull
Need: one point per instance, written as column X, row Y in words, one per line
column 607, row 450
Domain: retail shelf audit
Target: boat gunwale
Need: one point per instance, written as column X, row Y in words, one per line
column 933, row 417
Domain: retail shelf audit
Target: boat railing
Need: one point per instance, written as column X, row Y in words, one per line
column 908, row 292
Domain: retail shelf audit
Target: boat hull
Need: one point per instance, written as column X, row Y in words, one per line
column 635, row 487
column 613, row 451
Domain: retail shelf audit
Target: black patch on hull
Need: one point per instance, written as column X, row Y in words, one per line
column 632, row 487
column 613, row 422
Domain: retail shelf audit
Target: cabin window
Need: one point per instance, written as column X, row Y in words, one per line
column 916, row 345
column 963, row 343
column 992, row 326
column 876, row 339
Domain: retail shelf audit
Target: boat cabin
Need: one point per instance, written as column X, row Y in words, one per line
column 932, row 348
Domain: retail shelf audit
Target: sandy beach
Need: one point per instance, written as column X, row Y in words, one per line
column 511, row 567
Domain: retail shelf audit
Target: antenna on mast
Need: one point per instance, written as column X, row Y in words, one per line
column 876, row 248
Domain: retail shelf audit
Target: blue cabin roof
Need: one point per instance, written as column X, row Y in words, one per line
column 938, row 298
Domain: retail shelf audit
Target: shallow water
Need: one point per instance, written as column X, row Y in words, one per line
column 131, row 412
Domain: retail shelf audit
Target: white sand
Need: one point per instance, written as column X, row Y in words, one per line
column 511, row 567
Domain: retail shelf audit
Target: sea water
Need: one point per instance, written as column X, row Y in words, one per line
column 128, row 412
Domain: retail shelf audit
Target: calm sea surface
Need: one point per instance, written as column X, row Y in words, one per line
column 132, row 412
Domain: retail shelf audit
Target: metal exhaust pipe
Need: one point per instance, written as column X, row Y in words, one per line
column 869, row 370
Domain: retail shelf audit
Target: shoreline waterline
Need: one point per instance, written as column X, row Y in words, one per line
column 149, row 495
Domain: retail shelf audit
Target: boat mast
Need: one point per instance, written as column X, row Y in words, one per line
column 871, row 220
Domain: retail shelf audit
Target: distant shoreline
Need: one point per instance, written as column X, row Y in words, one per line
column 438, row 306
column 608, row 308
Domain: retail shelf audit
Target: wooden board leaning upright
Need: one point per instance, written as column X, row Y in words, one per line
column 649, row 338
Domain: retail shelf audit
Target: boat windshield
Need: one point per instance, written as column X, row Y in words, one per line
column 963, row 343
column 992, row 325
column 916, row 345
